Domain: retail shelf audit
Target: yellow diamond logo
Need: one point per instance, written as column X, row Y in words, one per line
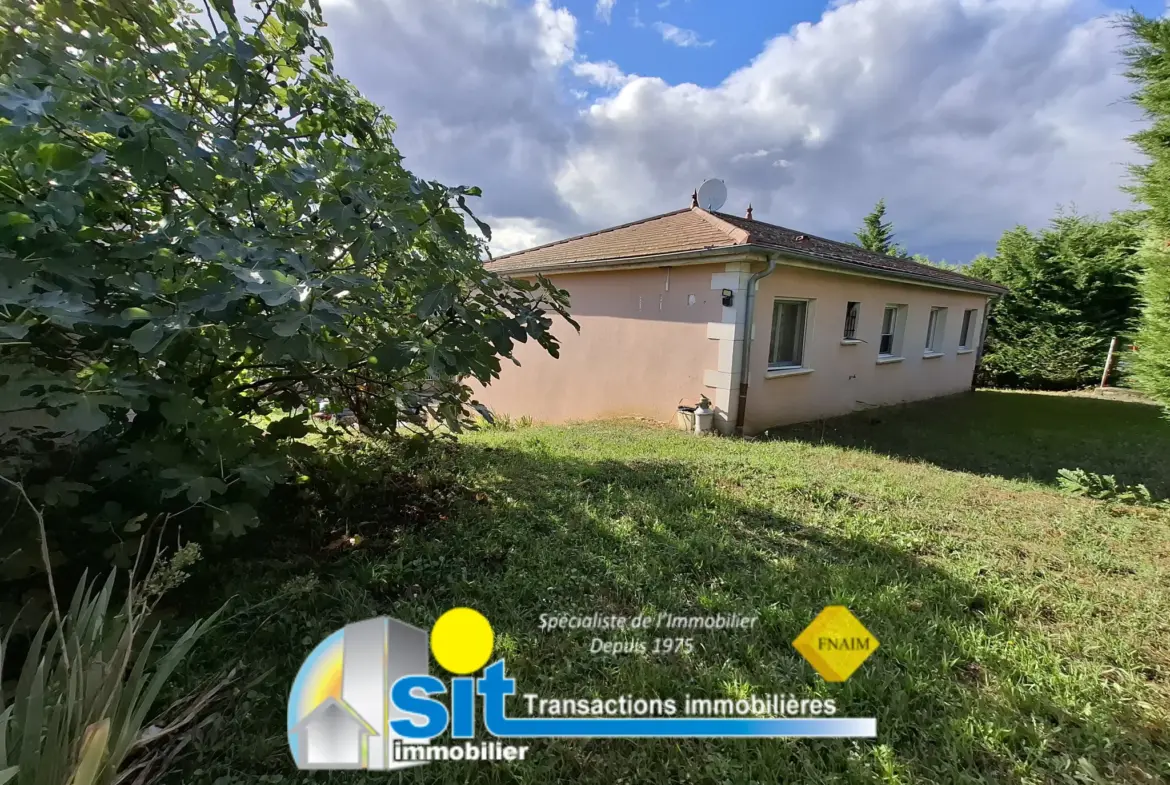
column 836, row 643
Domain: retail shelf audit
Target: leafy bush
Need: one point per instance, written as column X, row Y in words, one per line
column 201, row 231
column 1079, row 482
column 1073, row 287
column 363, row 488
column 1046, row 357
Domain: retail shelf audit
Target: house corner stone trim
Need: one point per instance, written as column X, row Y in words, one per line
column 723, row 382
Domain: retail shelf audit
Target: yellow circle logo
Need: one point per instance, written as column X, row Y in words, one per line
column 462, row 640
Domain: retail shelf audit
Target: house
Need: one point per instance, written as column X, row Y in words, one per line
column 332, row 736
column 772, row 325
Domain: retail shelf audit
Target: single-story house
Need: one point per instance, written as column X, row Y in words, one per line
column 774, row 326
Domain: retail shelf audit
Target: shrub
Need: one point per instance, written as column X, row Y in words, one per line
column 1073, row 287
column 1105, row 487
column 80, row 707
column 201, row 231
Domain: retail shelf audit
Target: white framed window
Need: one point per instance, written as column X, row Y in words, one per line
column 936, row 329
column 852, row 313
column 789, row 325
column 893, row 324
column 967, row 334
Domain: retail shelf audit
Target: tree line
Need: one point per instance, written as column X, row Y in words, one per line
column 1081, row 281
column 1073, row 286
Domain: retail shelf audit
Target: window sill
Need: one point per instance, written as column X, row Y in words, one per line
column 931, row 355
column 965, row 351
column 889, row 360
column 849, row 341
column 775, row 373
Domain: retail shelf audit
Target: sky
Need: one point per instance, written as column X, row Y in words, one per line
column 968, row 117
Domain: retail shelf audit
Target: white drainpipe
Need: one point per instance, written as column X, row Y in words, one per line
column 749, row 306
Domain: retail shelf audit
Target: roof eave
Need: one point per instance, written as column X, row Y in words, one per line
column 873, row 272
column 699, row 256
column 705, row 255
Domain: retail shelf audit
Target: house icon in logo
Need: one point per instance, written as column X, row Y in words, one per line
column 333, row 736
column 339, row 709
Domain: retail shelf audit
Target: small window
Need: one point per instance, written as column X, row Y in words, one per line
column 852, row 310
column 889, row 331
column 966, row 335
column 788, row 323
column 936, row 330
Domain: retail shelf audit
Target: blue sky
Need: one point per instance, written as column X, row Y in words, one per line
column 736, row 29
column 968, row 116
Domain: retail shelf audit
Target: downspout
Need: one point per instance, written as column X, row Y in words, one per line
column 991, row 302
column 749, row 305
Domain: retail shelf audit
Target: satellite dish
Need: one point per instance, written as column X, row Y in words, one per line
column 712, row 194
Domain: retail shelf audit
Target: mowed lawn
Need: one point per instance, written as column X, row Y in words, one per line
column 1023, row 632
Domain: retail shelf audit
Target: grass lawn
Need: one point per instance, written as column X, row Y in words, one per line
column 1023, row 632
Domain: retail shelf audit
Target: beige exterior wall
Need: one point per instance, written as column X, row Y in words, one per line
column 652, row 336
column 848, row 377
column 643, row 345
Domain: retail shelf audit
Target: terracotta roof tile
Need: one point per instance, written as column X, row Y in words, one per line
column 781, row 238
column 695, row 229
column 675, row 232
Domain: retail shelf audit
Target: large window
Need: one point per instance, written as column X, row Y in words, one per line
column 788, row 327
column 888, row 345
column 967, row 334
column 936, row 329
column 852, row 311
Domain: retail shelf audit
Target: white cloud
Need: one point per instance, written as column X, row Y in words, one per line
column 605, row 10
column 679, row 36
column 968, row 116
column 517, row 234
column 738, row 157
column 558, row 31
column 475, row 88
column 602, row 74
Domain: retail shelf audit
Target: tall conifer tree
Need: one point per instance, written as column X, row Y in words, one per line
column 1149, row 68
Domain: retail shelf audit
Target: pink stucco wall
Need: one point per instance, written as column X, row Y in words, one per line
column 846, row 378
column 642, row 346
column 652, row 336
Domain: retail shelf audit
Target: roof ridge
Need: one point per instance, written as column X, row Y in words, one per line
column 589, row 234
column 740, row 235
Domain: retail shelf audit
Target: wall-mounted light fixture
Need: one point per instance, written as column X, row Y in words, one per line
column 727, row 297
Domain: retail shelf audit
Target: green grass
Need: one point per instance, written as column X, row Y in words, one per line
column 1023, row 632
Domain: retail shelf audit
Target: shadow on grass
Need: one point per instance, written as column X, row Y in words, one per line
column 1016, row 435
column 961, row 693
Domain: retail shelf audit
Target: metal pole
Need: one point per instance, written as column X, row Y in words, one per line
column 1108, row 363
